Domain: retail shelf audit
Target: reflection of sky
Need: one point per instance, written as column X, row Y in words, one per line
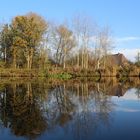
column 130, row 95
column 127, row 103
column 123, row 120
column 105, row 117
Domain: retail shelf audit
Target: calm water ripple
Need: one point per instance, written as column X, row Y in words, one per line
column 72, row 110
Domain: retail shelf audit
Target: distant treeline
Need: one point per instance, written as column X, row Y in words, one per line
column 31, row 42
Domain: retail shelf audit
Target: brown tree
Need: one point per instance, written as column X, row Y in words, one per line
column 30, row 29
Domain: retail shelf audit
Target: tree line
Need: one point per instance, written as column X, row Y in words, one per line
column 29, row 41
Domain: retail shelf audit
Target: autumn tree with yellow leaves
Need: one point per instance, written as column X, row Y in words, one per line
column 26, row 34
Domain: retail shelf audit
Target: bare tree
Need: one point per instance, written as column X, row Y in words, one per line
column 104, row 45
column 77, row 31
column 83, row 29
column 138, row 59
column 64, row 43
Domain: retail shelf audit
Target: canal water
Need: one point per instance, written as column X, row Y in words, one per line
column 78, row 109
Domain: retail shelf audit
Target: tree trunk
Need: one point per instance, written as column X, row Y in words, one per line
column 28, row 61
column 64, row 65
column 98, row 64
column 86, row 60
column 31, row 58
column 64, row 59
column 31, row 61
column 82, row 59
column 78, row 60
column 14, row 59
column 5, row 54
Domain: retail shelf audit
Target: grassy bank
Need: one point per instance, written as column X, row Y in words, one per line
column 68, row 73
column 34, row 73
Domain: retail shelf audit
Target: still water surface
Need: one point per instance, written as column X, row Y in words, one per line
column 71, row 110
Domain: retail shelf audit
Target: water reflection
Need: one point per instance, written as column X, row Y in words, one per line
column 76, row 109
column 20, row 110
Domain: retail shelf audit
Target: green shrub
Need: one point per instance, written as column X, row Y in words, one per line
column 60, row 76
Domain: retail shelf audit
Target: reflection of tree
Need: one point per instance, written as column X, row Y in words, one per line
column 78, row 107
column 138, row 92
column 21, row 112
column 93, row 109
column 84, row 107
column 59, row 106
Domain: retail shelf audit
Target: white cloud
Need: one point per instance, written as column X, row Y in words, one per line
column 128, row 45
column 127, row 39
column 129, row 53
column 127, row 109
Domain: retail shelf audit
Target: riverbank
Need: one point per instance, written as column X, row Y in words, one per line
column 69, row 73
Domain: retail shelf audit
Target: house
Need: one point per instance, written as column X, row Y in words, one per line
column 117, row 60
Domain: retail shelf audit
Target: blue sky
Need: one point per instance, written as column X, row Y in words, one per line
column 121, row 15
